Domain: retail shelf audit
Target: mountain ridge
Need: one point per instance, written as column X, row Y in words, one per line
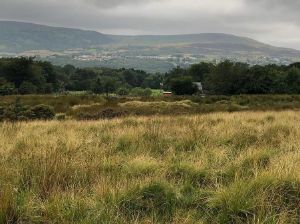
column 153, row 53
column 87, row 38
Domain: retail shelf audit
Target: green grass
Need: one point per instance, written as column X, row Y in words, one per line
column 238, row 167
column 157, row 92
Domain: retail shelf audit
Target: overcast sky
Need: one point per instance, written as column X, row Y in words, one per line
column 275, row 22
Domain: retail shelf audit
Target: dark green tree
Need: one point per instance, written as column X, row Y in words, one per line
column 153, row 81
column 227, row 78
column 97, row 87
column 199, row 71
column 7, row 89
column 293, row 81
column 109, row 85
column 183, row 86
column 123, row 91
column 27, row 88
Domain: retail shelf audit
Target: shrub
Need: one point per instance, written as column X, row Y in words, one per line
column 41, row 112
column 27, row 88
column 20, row 112
column 7, row 89
column 15, row 112
column 49, row 88
column 156, row 199
column 183, row 86
column 123, row 92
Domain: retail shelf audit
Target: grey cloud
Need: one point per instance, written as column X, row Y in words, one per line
column 286, row 10
column 292, row 4
column 114, row 3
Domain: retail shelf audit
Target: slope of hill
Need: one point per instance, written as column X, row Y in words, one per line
column 17, row 37
column 152, row 53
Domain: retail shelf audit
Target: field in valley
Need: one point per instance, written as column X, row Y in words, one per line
column 241, row 167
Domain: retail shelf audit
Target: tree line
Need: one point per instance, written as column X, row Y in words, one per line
column 28, row 76
column 234, row 78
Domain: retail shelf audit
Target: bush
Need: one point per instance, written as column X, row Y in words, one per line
column 49, row 88
column 123, row 92
column 156, row 200
column 183, row 86
column 20, row 112
column 7, row 89
column 41, row 112
column 27, row 88
column 15, row 112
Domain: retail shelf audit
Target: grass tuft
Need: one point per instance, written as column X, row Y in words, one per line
column 155, row 200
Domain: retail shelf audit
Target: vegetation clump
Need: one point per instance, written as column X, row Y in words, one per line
column 265, row 198
column 156, row 200
column 41, row 112
column 20, row 112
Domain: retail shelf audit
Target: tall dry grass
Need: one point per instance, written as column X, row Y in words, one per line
column 217, row 168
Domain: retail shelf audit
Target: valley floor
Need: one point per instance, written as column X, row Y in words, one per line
column 240, row 167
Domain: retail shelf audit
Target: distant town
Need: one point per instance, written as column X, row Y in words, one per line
column 137, row 59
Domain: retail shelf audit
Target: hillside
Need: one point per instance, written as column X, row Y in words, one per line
column 152, row 53
column 17, row 37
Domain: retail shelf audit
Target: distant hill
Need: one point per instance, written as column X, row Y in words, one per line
column 17, row 37
column 208, row 41
column 150, row 52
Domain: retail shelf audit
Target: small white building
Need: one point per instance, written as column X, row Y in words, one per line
column 199, row 86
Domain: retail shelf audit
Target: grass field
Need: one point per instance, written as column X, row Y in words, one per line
column 239, row 167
